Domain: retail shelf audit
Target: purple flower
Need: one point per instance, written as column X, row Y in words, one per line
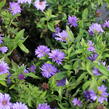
column 96, row 71
column 90, row 95
column 48, row 70
column 90, row 46
column 41, row 51
column 61, row 82
column 72, row 20
column 25, row 1
column 57, row 30
column 19, row 105
column 95, row 28
column 14, row 8
column 21, row 77
column 106, row 24
column 40, row 5
column 3, row 49
column 1, row 39
column 93, row 57
column 57, row 56
column 43, row 106
column 5, row 101
column 26, row 71
column 3, row 67
column 32, row 68
column 76, row 102
column 102, row 94
column 62, row 36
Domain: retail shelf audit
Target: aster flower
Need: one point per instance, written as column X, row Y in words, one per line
column 43, row 106
column 21, row 77
column 19, row 105
column 3, row 49
column 61, row 82
column 4, row 67
column 93, row 57
column 57, row 56
column 26, row 71
column 96, row 71
column 106, row 24
column 95, row 28
column 102, row 94
column 90, row 46
column 1, row 39
column 14, row 8
column 90, row 95
column 76, row 102
column 25, row 1
column 32, row 68
column 48, row 70
column 41, row 51
column 57, row 30
column 40, row 5
column 62, row 36
column 5, row 101
column 72, row 20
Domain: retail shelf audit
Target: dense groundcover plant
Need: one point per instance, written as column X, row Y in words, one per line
column 54, row 54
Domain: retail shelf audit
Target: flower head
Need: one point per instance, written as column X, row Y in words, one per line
column 72, row 20
column 1, row 39
column 76, row 102
column 62, row 36
column 14, row 8
column 3, row 49
column 57, row 30
column 106, row 24
column 57, row 56
column 19, row 105
column 102, row 94
column 40, row 5
column 43, row 106
column 5, row 101
column 61, row 82
column 25, row 1
column 90, row 46
column 96, row 71
column 95, row 28
column 48, row 70
column 93, row 57
column 21, row 77
column 32, row 68
column 41, row 51
column 3, row 67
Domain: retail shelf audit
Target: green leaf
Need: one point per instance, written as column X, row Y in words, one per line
column 2, row 4
column 51, row 27
column 3, row 83
column 32, row 75
column 23, row 48
column 59, row 75
column 86, row 85
column 85, row 14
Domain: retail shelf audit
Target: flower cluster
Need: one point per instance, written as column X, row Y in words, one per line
column 6, row 104
column 43, row 106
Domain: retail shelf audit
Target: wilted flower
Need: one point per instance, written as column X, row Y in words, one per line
column 57, row 56
column 40, row 5
column 72, row 20
column 48, row 70
column 3, row 49
column 19, row 105
column 106, row 24
column 61, row 82
column 5, row 101
column 14, row 8
column 43, row 106
column 95, row 28
column 90, row 95
column 76, row 102
column 93, row 56
column 57, row 30
column 32, row 68
column 102, row 94
column 96, row 71
column 21, row 77
column 42, row 51
column 25, row 1
column 90, row 46
column 62, row 36
column 3, row 67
